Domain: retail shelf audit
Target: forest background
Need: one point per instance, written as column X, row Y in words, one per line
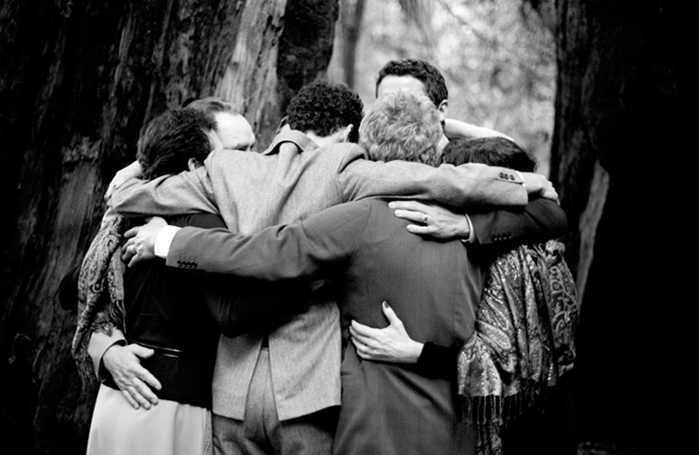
column 594, row 88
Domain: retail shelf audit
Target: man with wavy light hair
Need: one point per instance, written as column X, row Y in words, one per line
column 402, row 126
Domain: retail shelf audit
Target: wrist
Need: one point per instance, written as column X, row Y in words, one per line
column 415, row 350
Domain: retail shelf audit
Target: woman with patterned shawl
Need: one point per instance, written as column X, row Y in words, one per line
column 509, row 372
column 154, row 309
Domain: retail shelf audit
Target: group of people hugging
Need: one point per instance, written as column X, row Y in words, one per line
column 387, row 282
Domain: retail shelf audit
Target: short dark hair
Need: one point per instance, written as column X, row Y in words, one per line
column 172, row 138
column 213, row 105
column 429, row 75
column 324, row 108
column 493, row 151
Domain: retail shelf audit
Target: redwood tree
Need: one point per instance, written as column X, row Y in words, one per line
column 618, row 137
column 78, row 81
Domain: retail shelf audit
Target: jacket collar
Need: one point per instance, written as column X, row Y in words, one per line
column 303, row 142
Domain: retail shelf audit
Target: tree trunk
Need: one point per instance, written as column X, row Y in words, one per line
column 351, row 28
column 283, row 45
column 618, row 110
column 78, row 81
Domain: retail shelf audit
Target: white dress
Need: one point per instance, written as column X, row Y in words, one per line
column 169, row 428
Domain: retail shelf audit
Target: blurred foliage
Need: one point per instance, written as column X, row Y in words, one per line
column 498, row 58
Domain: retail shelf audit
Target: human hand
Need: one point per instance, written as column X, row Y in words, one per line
column 133, row 170
column 134, row 381
column 391, row 344
column 141, row 243
column 435, row 220
column 538, row 186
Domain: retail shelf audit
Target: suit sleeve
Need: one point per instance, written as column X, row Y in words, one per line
column 236, row 309
column 466, row 186
column 538, row 221
column 189, row 191
column 317, row 248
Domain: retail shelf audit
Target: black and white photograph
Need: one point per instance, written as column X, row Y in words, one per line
column 346, row 227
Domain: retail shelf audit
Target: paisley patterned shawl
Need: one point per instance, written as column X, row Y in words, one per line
column 524, row 338
column 100, row 293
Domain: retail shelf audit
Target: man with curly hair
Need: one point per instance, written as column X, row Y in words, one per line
column 326, row 112
column 278, row 391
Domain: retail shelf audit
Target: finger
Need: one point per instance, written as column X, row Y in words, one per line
column 136, row 394
column 391, row 315
column 128, row 255
column 421, row 229
column 141, row 351
column 130, row 399
column 361, row 338
column 129, row 243
column 134, row 260
column 133, row 232
column 410, row 215
column 150, row 380
column 363, row 331
column 144, row 391
column 409, row 205
column 359, row 347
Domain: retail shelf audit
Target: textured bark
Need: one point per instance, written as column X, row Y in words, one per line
column 618, row 109
column 284, row 45
column 305, row 47
column 352, row 16
column 78, row 81
column 250, row 81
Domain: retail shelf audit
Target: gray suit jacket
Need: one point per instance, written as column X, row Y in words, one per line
column 433, row 286
column 292, row 180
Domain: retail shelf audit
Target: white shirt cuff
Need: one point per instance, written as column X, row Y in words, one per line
column 163, row 240
column 471, row 235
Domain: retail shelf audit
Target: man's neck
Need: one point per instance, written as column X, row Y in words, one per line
column 321, row 141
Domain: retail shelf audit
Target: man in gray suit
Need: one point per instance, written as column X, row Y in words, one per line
column 388, row 409
column 277, row 391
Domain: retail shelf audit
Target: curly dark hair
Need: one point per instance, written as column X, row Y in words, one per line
column 172, row 138
column 493, row 151
column 424, row 72
column 324, row 108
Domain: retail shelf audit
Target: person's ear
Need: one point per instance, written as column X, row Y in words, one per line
column 345, row 133
column 193, row 163
column 443, row 109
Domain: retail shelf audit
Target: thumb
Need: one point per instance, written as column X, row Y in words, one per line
column 390, row 314
column 141, row 351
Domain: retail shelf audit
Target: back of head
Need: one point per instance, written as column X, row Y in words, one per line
column 324, row 108
column 493, row 151
column 172, row 138
column 402, row 126
column 213, row 105
column 429, row 75
column 233, row 129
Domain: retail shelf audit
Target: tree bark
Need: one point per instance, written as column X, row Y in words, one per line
column 618, row 108
column 78, row 82
column 352, row 16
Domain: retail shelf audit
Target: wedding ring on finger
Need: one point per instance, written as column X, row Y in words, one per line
column 424, row 218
